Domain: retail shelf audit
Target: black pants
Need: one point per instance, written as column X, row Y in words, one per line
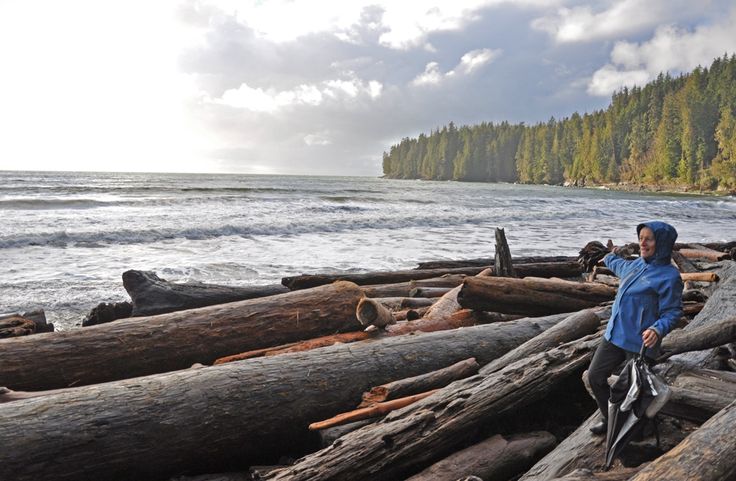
column 606, row 359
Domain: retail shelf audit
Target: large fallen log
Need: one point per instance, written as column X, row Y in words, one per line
column 489, row 261
column 542, row 269
column 620, row 474
column 704, row 253
column 498, row 457
column 167, row 342
column 236, row 414
column 721, row 305
column 431, row 428
column 152, row 295
column 706, row 455
column 706, row 336
column 531, row 296
column 574, row 326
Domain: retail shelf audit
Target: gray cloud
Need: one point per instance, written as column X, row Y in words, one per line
column 313, row 104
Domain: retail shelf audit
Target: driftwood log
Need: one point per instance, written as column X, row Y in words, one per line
column 32, row 322
column 368, row 412
column 239, row 413
column 498, row 457
column 152, row 295
column 531, row 296
column 503, row 265
column 373, row 313
column 707, row 454
column 541, row 269
column 432, row 428
column 422, row 383
column 107, row 312
column 489, row 261
column 167, row 342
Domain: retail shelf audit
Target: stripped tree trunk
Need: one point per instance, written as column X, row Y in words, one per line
column 167, row 342
column 240, row 413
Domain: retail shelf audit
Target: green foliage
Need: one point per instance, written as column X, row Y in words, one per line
column 679, row 131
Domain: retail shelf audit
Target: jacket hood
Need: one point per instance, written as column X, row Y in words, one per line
column 664, row 237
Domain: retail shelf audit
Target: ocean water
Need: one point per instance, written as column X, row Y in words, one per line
column 66, row 238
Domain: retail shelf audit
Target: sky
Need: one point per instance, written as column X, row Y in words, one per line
column 319, row 87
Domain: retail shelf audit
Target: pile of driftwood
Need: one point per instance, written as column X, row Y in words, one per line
column 455, row 370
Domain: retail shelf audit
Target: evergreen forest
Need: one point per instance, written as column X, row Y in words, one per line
column 675, row 131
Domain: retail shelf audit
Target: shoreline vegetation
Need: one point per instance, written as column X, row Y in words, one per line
column 674, row 134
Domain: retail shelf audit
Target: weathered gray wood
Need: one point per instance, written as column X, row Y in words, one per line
column 579, row 450
column 503, row 265
column 575, row 326
column 429, row 429
column 705, row 455
column 542, row 269
column 721, row 305
column 489, row 261
column 201, row 420
column 620, row 474
column 141, row 346
column 498, row 457
column 531, row 296
column 698, row 394
column 152, row 295
column 403, row 289
column 422, row 383
column 707, row 336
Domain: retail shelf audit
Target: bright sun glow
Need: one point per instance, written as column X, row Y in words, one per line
column 92, row 85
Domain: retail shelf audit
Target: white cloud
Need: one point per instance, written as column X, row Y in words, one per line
column 430, row 76
column 477, row 58
column 403, row 25
column 582, row 24
column 469, row 63
column 317, row 139
column 271, row 100
column 671, row 49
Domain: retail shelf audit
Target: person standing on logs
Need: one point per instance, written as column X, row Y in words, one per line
column 648, row 304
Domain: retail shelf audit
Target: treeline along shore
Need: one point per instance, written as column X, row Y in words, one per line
column 677, row 132
column 453, row 370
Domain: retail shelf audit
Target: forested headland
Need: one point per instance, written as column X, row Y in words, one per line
column 674, row 131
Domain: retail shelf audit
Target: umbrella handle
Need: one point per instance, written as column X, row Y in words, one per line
column 643, row 349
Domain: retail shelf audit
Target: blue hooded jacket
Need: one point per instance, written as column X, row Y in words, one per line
column 649, row 295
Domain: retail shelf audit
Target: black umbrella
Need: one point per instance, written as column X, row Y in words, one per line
column 637, row 395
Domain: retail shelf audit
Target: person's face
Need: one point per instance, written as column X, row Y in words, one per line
column 647, row 243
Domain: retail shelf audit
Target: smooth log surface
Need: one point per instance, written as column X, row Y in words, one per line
column 152, row 295
column 167, row 342
column 498, row 457
column 531, row 296
column 705, row 455
column 541, row 269
column 422, row 383
column 206, row 419
column 431, row 428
